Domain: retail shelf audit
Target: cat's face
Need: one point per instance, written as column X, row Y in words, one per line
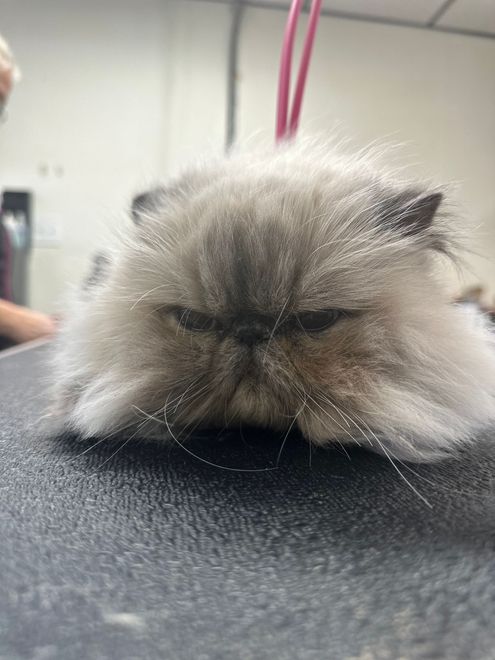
column 268, row 304
column 264, row 298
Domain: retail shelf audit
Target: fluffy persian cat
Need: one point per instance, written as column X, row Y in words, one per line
column 295, row 288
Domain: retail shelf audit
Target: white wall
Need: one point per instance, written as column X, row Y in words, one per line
column 122, row 92
column 197, row 74
column 92, row 101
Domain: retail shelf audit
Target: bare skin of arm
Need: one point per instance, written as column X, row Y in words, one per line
column 20, row 324
column 5, row 83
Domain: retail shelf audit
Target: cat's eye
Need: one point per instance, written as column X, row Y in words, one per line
column 195, row 321
column 320, row 320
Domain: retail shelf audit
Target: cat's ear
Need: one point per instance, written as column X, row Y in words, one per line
column 410, row 212
column 146, row 204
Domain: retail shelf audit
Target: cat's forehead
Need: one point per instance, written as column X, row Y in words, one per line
column 262, row 247
column 250, row 266
column 254, row 252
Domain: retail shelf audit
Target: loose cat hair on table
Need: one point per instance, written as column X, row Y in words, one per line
column 291, row 288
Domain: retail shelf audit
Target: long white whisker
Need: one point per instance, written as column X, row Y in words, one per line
column 191, row 453
column 421, row 497
column 274, row 329
column 147, row 293
column 288, row 432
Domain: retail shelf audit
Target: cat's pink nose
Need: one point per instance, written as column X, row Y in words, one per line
column 251, row 331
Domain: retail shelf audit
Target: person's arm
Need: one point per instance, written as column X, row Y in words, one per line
column 5, row 82
column 20, row 324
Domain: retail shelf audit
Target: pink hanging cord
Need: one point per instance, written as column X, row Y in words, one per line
column 284, row 132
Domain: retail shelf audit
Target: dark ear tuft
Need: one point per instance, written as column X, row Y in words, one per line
column 147, row 203
column 410, row 212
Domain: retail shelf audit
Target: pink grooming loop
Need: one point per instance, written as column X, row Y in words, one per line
column 284, row 132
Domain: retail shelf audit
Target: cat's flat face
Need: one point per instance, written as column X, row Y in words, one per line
column 281, row 298
column 262, row 300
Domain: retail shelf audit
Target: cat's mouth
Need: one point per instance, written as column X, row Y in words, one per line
column 252, row 368
column 250, row 376
column 252, row 403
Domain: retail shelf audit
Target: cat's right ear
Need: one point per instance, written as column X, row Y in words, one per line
column 147, row 204
column 410, row 211
column 413, row 214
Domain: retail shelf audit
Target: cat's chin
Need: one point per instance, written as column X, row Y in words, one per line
column 253, row 404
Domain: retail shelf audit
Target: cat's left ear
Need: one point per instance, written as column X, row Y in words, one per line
column 410, row 212
column 147, row 204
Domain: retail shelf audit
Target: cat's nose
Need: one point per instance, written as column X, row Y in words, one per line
column 251, row 331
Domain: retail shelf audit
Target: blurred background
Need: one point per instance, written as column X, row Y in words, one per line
column 116, row 95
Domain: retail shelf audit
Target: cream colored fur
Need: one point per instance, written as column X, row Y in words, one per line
column 281, row 232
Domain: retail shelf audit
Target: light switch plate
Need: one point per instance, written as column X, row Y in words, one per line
column 47, row 231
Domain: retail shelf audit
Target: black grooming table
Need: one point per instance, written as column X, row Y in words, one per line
column 149, row 553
